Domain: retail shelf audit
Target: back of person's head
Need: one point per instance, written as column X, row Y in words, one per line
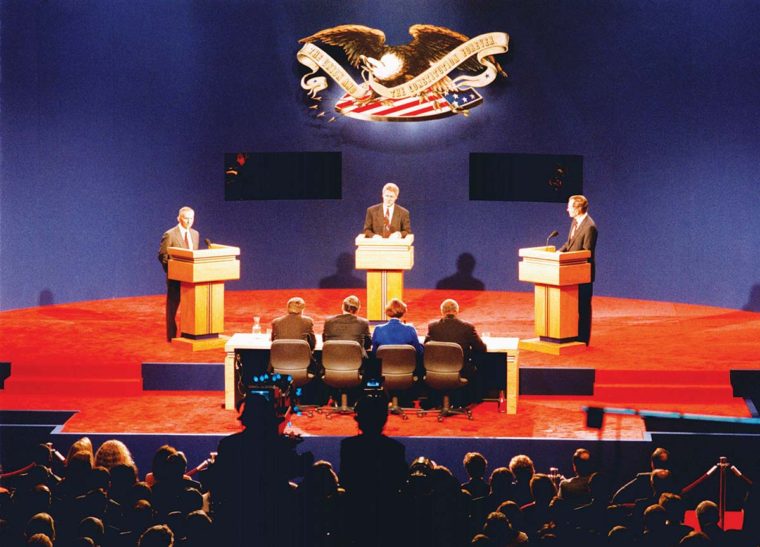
column 351, row 304
column 511, row 510
column 542, row 488
column 190, row 499
column 82, row 445
column 296, row 305
column 99, row 479
column 582, row 463
column 660, row 459
column 39, row 540
column 695, row 539
column 522, row 467
column 159, row 535
column 599, row 487
column 501, row 481
column 620, row 536
column 475, row 464
column 654, row 517
column 395, row 308
column 444, row 482
column 497, row 528
column 320, row 480
column 707, row 513
column 674, row 507
column 372, row 413
column 140, row 517
column 158, row 466
column 176, row 465
column 198, row 528
column 111, row 453
column 93, row 528
column 41, row 523
column 140, row 491
column 78, row 466
column 482, row 540
column 661, row 481
column 39, row 499
column 449, row 307
column 42, row 454
column 258, row 416
column 82, row 542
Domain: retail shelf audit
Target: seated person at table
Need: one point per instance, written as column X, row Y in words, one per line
column 394, row 331
column 348, row 325
column 296, row 326
column 449, row 328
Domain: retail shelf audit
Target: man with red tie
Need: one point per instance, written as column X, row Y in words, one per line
column 182, row 235
column 582, row 237
column 387, row 219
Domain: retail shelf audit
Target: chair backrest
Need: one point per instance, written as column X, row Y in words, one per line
column 341, row 360
column 443, row 365
column 398, row 364
column 291, row 357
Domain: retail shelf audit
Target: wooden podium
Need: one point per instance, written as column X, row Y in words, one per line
column 202, row 274
column 385, row 261
column 556, row 277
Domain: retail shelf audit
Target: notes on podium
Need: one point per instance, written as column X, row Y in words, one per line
column 202, row 274
column 556, row 277
column 385, row 260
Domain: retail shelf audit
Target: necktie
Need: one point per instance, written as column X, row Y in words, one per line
column 187, row 240
column 387, row 223
column 573, row 227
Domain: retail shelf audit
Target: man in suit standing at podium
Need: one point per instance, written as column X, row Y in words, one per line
column 349, row 326
column 387, row 219
column 182, row 235
column 582, row 237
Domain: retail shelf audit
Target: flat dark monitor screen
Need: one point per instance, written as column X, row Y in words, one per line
column 525, row 177
column 282, row 175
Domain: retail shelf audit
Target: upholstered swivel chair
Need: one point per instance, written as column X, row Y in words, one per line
column 342, row 361
column 399, row 362
column 443, row 372
column 292, row 358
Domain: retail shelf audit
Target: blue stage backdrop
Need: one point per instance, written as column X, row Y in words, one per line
column 116, row 113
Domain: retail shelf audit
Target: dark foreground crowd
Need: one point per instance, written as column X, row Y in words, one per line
column 246, row 497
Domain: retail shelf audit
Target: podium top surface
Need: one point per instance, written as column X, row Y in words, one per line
column 215, row 251
column 550, row 254
column 384, row 241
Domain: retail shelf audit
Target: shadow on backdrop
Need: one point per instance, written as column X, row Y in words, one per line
column 753, row 302
column 46, row 298
column 463, row 279
column 343, row 278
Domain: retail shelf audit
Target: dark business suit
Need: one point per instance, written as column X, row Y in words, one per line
column 375, row 220
column 348, row 326
column 584, row 239
column 173, row 238
column 294, row 326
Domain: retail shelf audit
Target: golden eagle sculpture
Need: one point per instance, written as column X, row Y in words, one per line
column 390, row 66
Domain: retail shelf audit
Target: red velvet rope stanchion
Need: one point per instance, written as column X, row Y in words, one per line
column 21, row 471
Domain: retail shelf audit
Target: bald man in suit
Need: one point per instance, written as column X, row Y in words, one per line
column 182, row 235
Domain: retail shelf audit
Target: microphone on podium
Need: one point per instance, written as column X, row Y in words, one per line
column 208, row 242
column 554, row 233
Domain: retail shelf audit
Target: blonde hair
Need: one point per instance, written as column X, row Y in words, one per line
column 112, row 453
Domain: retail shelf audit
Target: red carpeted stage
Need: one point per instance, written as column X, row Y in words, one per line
column 88, row 356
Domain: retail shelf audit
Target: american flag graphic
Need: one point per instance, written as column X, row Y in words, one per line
column 428, row 107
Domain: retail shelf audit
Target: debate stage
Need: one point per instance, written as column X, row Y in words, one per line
column 97, row 368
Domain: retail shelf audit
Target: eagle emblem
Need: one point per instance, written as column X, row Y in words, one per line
column 432, row 76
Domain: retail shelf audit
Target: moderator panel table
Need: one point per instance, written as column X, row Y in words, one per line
column 502, row 355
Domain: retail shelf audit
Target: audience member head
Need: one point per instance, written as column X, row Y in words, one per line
column 582, row 463
column 497, row 528
column 449, row 308
column 320, row 480
column 296, row 305
column 198, row 527
column 82, row 542
column 511, row 510
column 660, row 459
column 444, row 483
column 93, row 528
column 39, row 540
column 82, row 445
column 542, row 489
column 140, row 517
column 674, row 507
column 42, row 454
column 395, row 308
column 351, row 304
column 140, row 491
column 190, row 499
column 707, row 514
column 654, row 517
column 522, row 468
column 372, row 414
column 695, row 539
column 176, row 465
column 41, row 523
column 661, row 481
column 112, row 453
column 158, row 465
column 159, row 535
column 79, row 467
column 475, row 464
column 482, row 540
column 258, row 416
column 620, row 536
column 501, row 483
column 123, row 477
column 99, row 479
